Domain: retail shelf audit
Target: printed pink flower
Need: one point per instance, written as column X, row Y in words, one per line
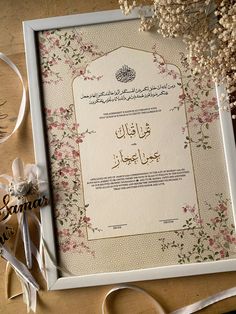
column 45, row 74
column 222, row 253
column 75, row 126
column 42, row 46
column 82, row 71
column 79, row 140
column 211, row 242
column 57, row 197
column 222, row 207
column 75, row 153
column 64, row 184
column 198, row 220
column 190, row 109
column 215, row 220
column 80, row 232
column 188, row 208
column 223, row 231
column 182, row 96
column 58, row 154
column 86, row 219
column 56, row 43
column 61, row 126
column 64, row 232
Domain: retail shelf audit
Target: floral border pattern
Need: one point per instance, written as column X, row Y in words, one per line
column 202, row 109
column 65, row 174
column 212, row 240
column 68, row 48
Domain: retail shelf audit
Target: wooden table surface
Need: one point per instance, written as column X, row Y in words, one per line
column 172, row 293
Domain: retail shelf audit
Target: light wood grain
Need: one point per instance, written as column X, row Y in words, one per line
column 172, row 293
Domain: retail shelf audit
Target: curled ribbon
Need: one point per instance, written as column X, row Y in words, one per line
column 21, row 113
column 28, row 283
column 189, row 309
column 156, row 304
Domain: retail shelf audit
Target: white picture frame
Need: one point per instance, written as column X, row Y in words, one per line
column 54, row 281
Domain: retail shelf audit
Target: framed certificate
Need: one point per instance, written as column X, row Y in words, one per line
column 139, row 158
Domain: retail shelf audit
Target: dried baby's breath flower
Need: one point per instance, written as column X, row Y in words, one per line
column 207, row 27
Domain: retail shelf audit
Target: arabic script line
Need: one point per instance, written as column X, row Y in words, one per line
column 132, row 130
column 138, row 157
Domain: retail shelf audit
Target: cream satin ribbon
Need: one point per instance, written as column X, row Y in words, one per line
column 21, row 113
column 25, row 177
column 29, row 290
column 189, row 309
column 155, row 303
column 24, row 181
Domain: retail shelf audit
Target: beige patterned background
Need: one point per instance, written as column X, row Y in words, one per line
column 144, row 251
